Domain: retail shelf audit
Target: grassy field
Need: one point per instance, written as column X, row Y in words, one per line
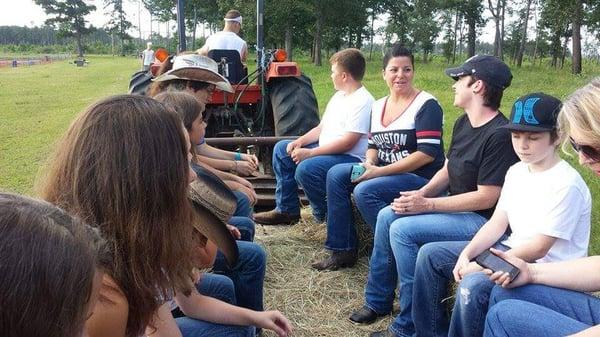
column 37, row 104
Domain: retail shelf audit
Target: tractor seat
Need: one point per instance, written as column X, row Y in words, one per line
column 230, row 65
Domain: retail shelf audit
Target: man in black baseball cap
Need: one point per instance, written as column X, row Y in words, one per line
column 487, row 68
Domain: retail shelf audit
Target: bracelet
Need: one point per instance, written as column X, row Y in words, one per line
column 237, row 156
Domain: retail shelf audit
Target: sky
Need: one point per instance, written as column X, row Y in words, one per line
column 27, row 13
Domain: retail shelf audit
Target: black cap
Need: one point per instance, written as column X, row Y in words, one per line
column 535, row 112
column 487, row 68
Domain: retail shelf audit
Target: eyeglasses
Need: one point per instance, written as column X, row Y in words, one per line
column 588, row 151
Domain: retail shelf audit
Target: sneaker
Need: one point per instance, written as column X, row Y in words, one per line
column 275, row 217
column 337, row 260
column 365, row 315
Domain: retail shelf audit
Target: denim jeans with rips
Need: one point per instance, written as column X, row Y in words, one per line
column 396, row 244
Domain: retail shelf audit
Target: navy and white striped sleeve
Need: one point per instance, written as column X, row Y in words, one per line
column 428, row 127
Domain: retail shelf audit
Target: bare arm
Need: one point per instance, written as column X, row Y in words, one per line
column 438, row 183
column 487, row 235
column 310, row 137
column 212, row 310
column 340, row 145
column 535, row 249
column 371, row 157
column 408, row 164
column 203, row 50
column 484, row 197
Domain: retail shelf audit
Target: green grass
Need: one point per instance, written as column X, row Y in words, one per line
column 37, row 104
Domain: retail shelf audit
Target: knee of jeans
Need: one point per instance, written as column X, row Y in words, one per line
column 386, row 215
column 503, row 312
column 339, row 173
column 303, row 173
column 401, row 231
column 256, row 255
column 426, row 254
column 499, row 294
column 362, row 193
column 472, row 287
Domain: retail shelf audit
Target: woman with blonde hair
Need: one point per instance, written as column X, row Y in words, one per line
column 545, row 299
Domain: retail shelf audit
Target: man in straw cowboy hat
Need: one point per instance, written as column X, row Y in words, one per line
column 228, row 38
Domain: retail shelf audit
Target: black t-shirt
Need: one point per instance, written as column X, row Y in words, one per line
column 479, row 156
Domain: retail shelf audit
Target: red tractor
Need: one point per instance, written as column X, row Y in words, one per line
column 272, row 103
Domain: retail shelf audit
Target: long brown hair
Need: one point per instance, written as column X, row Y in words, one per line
column 187, row 107
column 47, row 268
column 122, row 167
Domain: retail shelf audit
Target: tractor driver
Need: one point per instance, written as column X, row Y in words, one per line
column 228, row 38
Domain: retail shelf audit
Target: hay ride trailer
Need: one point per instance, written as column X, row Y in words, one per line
column 277, row 103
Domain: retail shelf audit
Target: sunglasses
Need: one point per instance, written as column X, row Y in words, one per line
column 587, row 150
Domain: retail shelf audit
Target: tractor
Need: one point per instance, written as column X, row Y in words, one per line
column 274, row 102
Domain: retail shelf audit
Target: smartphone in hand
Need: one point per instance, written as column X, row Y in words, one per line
column 495, row 263
column 357, row 171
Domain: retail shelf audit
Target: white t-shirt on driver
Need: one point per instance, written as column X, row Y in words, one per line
column 226, row 40
column 555, row 202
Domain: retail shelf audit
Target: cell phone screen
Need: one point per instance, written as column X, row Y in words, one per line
column 495, row 263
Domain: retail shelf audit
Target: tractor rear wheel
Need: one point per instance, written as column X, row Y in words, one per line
column 293, row 104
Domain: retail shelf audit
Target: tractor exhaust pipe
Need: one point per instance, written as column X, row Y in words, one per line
column 181, row 26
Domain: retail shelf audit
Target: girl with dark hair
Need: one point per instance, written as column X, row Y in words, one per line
column 123, row 168
column 248, row 273
column 50, row 269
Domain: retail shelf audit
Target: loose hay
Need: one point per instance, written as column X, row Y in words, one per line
column 317, row 303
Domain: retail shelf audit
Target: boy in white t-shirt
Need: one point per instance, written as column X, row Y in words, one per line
column 341, row 137
column 228, row 38
column 545, row 206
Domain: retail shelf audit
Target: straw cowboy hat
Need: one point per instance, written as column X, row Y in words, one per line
column 195, row 67
column 214, row 204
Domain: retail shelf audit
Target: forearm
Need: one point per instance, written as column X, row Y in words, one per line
column 437, row 184
column 212, row 152
column 465, row 202
column 487, row 235
column 212, row 310
column 579, row 275
column 371, row 157
column 410, row 163
column 219, row 164
column 217, row 172
column 310, row 137
column 338, row 146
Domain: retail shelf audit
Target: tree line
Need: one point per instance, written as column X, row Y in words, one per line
column 324, row 26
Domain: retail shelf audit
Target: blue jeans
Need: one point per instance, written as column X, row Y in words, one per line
column 311, row 174
column 244, row 208
column 371, row 196
column 190, row 327
column 245, row 225
column 247, row 275
column 396, row 244
column 537, row 310
column 433, row 272
column 217, row 286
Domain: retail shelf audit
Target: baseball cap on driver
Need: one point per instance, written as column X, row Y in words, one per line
column 536, row 112
column 487, row 68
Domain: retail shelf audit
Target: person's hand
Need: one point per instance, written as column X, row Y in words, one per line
column 411, row 202
column 273, row 320
column 251, row 159
column 245, row 182
column 371, row 171
column 244, row 168
column 300, row 154
column 292, row 146
column 503, row 279
column 462, row 263
column 234, row 231
column 249, row 192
